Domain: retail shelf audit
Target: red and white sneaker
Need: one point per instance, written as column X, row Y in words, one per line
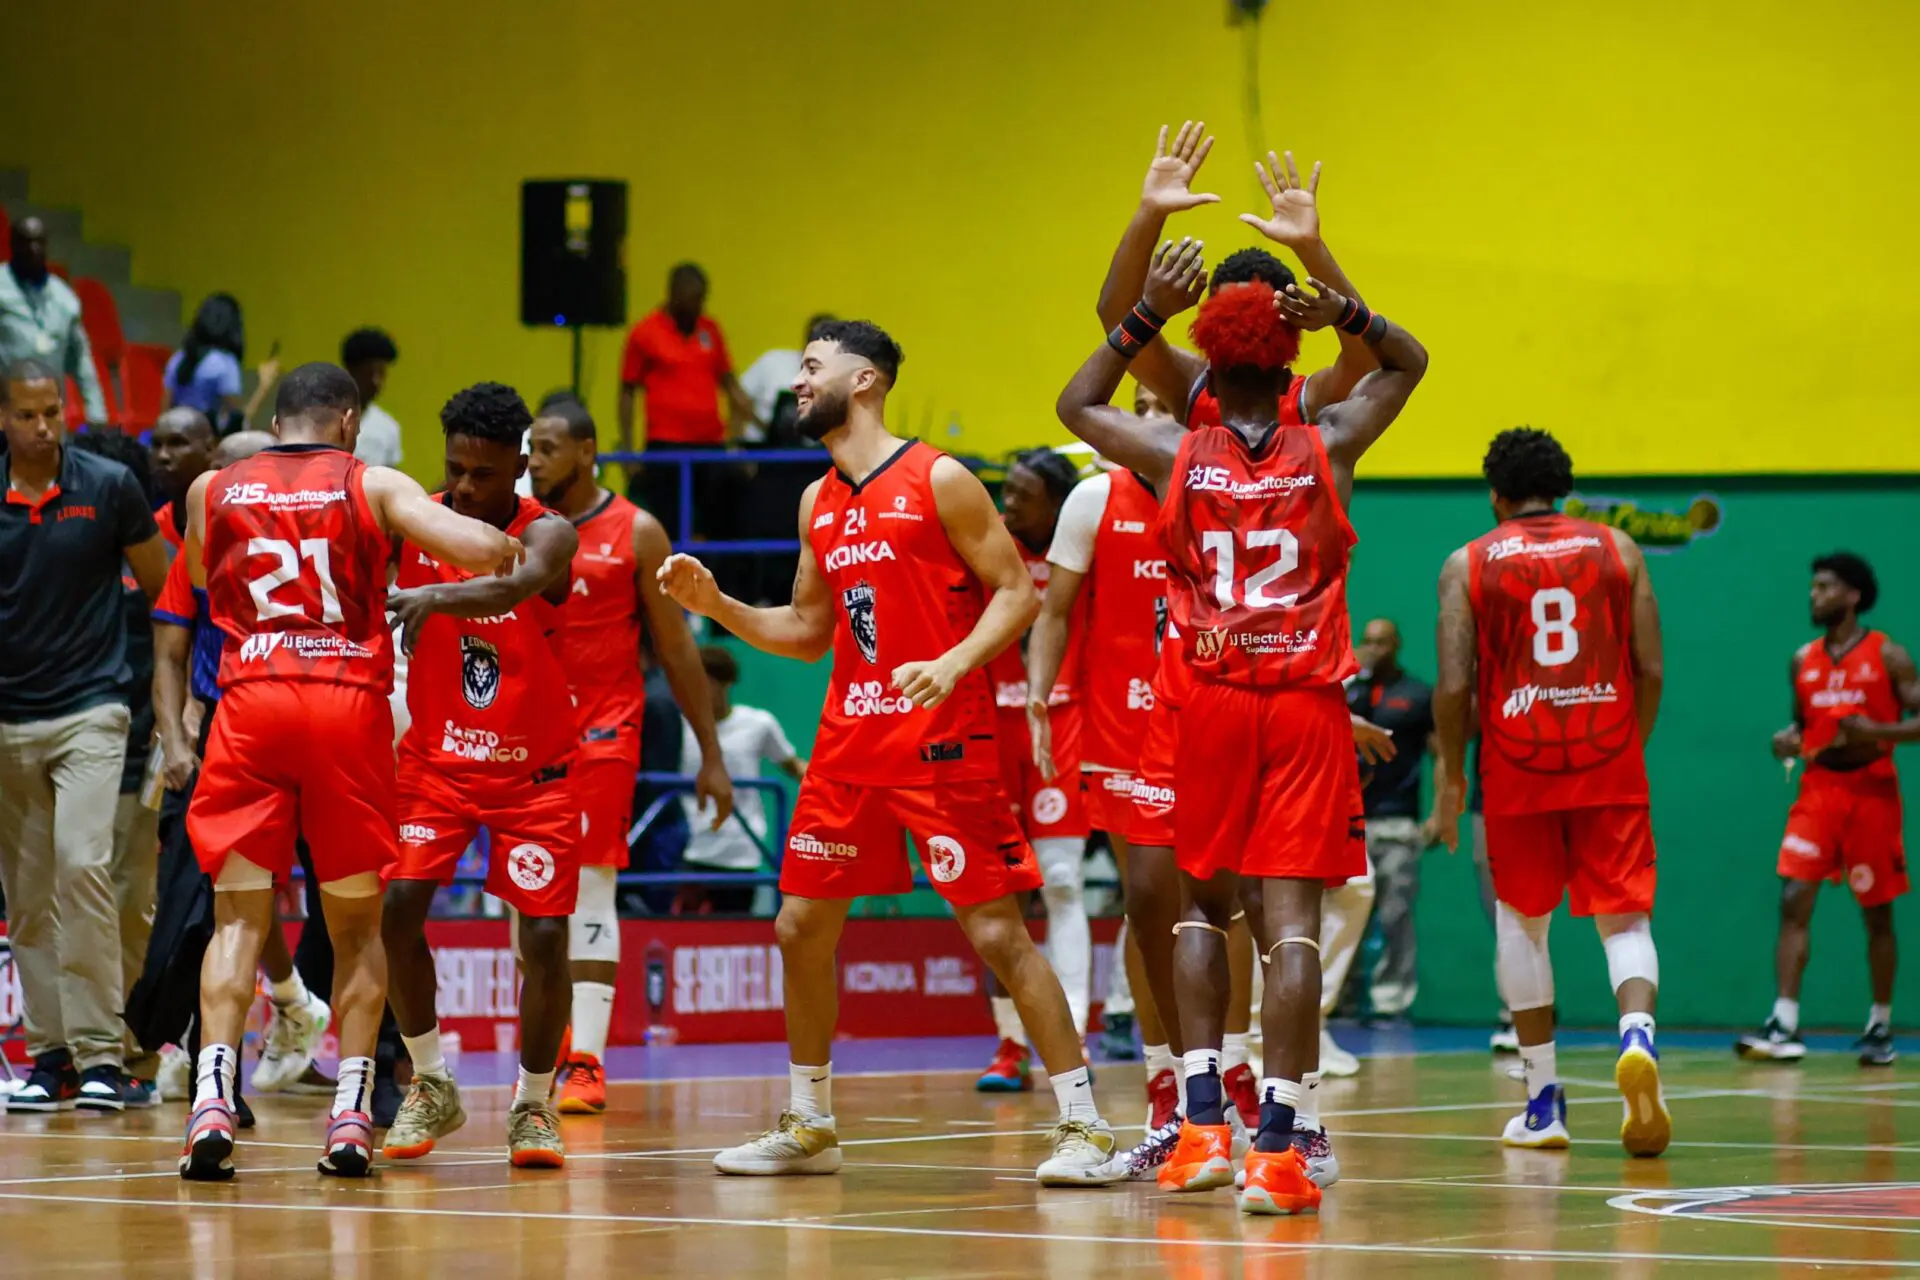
column 1277, row 1183
column 1244, row 1092
column 1163, row 1100
column 583, row 1086
column 349, row 1149
column 1009, row 1072
column 1201, row 1161
column 207, row 1155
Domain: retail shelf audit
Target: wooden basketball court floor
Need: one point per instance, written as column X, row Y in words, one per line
column 938, row 1184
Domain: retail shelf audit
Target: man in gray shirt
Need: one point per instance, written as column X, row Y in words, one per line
column 40, row 317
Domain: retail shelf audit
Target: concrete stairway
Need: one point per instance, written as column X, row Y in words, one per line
column 146, row 315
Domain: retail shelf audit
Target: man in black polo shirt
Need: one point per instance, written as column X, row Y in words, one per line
column 1385, row 694
column 68, row 520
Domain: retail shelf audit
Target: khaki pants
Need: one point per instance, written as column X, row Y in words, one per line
column 136, row 863
column 1393, row 847
column 59, row 780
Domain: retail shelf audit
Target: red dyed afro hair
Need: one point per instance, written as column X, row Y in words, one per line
column 1238, row 327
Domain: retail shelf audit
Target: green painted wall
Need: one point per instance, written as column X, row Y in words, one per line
column 1734, row 605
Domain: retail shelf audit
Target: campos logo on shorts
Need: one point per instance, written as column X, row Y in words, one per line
column 1149, row 796
column 1118, row 784
column 804, row 844
column 857, row 600
column 872, row 698
column 1860, row 879
column 479, row 672
column 530, row 866
column 414, row 833
column 946, row 860
column 1049, row 805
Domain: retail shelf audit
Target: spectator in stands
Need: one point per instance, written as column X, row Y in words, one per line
column 136, row 819
column 748, row 735
column 768, row 383
column 367, row 354
column 68, row 520
column 40, row 317
column 677, row 358
column 205, row 373
column 1401, row 703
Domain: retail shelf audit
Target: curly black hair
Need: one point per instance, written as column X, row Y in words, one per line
column 1245, row 265
column 1055, row 471
column 1524, row 463
column 121, row 448
column 866, row 340
column 487, row 411
column 367, row 344
column 1855, row 572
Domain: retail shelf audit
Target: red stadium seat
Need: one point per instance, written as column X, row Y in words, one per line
column 101, row 316
column 143, row 371
column 6, row 235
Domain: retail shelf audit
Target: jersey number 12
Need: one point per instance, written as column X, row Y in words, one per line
column 1219, row 544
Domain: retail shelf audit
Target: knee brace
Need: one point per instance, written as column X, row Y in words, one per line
column 593, row 930
column 1063, row 869
column 1629, row 945
column 1521, row 959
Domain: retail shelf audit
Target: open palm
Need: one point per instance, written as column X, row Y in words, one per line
column 1295, row 217
column 1169, row 183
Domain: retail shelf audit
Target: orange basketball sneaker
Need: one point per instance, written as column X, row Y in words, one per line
column 1277, row 1183
column 583, row 1086
column 1201, row 1161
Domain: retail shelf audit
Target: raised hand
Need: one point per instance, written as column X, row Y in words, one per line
column 1176, row 279
column 1310, row 310
column 690, row 583
column 1295, row 217
column 1170, row 176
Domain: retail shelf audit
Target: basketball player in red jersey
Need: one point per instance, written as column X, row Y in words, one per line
column 292, row 547
column 1047, row 802
column 1549, row 626
column 1257, row 542
column 490, row 741
column 614, row 598
column 909, row 577
column 1856, row 694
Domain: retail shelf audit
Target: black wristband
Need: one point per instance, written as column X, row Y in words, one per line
column 1136, row 329
column 1355, row 318
column 1376, row 327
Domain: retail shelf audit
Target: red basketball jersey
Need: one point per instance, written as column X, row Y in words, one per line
column 902, row 594
column 1203, row 408
column 600, row 627
column 1828, row 689
column 1008, row 672
column 1123, row 591
column 1257, row 545
column 1553, row 609
column 297, row 570
column 487, row 696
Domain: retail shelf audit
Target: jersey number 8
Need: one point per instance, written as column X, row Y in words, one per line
column 262, row 587
column 1555, row 642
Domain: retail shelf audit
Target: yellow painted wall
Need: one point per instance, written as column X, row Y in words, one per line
column 1674, row 232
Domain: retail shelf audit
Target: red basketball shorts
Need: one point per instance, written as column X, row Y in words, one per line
column 1151, row 823
column 287, row 759
column 849, row 840
column 1601, row 858
column 1044, row 807
column 1269, row 785
column 533, row 827
column 1847, row 827
column 1109, row 800
column 604, row 769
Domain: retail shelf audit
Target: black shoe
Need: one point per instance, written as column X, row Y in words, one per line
column 386, row 1101
column 242, row 1113
column 1116, row 1038
column 53, row 1086
column 1876, row 1046
column 100, row 1089
column 135, row 1092
column 1773, row 1043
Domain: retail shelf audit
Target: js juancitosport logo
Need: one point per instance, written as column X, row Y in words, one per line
column 1654, row 530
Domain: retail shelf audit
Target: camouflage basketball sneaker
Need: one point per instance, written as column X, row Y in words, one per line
column 430, row 1112
column 533, row 1136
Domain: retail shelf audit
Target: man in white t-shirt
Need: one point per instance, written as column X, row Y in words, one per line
column 367, row 354
column 765, row 380
column 748, row 736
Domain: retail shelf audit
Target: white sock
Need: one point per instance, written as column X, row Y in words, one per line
column 1233, row 1051
column 1628, row 1021
column 428, row 1058
column 1880, row 1015
column 592, row 1016
column 1306, row 1112
column 533, row 1086
column 214, row 1074
column 1538, row 1061
column 1074, row 1092
column 1006, row 1020
column 1198, row 1062
column 1159, row 1058
column 292, row 991
column 1285, row 1092
column 356, row 1085
column 810, row 1091
column 1787, row 1013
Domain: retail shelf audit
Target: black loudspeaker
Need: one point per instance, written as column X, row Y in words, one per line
column 573, row 252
